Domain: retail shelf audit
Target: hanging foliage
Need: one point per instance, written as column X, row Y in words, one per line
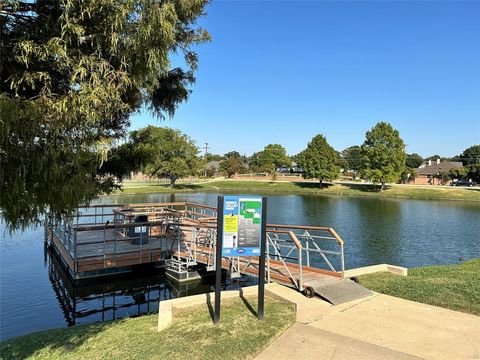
column 72, row 72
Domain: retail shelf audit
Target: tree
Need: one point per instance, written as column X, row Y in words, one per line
column 351, row 159
column 232, row 154
column 214, row 157
column 470, row 155
column 444, row 176
column 383, row 154
column 233, row 164
column 165, row 152
column 408, row 174
column 72, row 73
column 319, row 160
column 270, row 158
column 473, row 172
column 413, row 161
column 435, row 157
column 122, row 161
column 458, row 173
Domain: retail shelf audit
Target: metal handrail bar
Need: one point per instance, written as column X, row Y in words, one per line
column 283, row 262
column 298, row 244
column 323, row 256
column 126, row 225
column 298, row 227
column 317, row 237
column 331, row 252
column 100, row 206
column 247, row 264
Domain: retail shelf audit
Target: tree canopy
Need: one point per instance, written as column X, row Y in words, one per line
column 352, row 158
column 319, row 160
column 413, row 161
column 165, row 152
column 270, row 158
column 233, row 163
column 72, row 73
column 470, row 155
column 383, row 154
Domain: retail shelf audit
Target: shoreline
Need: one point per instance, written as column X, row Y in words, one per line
column 306, row 188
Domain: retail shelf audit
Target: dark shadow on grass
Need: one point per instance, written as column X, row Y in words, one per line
column 185, row 187
column 312, row 185
column 210, row 307
column 365, row 187
column 247, row 304
column 359, row 187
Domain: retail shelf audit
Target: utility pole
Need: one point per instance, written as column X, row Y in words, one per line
column 206, row 150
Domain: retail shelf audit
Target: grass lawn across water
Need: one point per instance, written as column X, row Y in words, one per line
column 455, row 287
column 192, row 335
column 337, row 189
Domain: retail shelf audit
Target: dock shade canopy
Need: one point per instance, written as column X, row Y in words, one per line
column 139, row 234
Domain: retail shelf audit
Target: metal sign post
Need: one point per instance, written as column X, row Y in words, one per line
column 241, row 231
column 218, row 261
column 261, row 274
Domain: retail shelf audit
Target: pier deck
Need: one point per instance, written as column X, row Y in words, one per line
column 103, row 239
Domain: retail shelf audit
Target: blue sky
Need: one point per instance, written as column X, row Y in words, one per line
column 282, row 72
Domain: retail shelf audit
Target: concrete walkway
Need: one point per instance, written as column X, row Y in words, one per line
column 377, row 327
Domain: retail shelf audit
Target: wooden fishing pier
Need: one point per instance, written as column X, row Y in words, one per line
column 102, row 240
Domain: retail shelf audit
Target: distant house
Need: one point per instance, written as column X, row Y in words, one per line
column 429, row 172
column 213, row 165
column 293, row 168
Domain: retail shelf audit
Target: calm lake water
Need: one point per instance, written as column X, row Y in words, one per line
column 36, row 295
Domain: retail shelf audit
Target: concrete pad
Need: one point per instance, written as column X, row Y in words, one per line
column 409, row 327
column 166, row 308
column 397, row 270
column 165, row 315
column 305, row 342
column 308, row 310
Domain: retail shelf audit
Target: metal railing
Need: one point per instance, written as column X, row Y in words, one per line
column 184, row 233
column 304, row 247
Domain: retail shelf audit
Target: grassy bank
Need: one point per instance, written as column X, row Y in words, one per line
column 395, row 191
column 192, row 336
column 455, row 287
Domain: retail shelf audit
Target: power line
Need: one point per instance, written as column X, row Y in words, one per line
column 206, row 151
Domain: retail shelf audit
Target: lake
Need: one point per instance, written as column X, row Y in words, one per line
column 36, row 295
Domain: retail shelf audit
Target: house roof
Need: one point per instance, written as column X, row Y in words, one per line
column 214, row 165
column 444, row 166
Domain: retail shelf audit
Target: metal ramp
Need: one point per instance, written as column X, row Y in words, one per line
column 336, row 290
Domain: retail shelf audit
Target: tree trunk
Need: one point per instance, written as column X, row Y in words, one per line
column 320, row 182
column 383, row 186
column 172, row 181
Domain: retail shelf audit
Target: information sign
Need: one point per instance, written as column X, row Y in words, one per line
column 241, row 231
column 242, row 226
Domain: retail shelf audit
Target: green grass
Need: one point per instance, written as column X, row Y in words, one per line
column 191, row 336
column 395, row 191
column 455, row 287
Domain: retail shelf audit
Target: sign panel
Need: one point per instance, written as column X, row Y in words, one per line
column 242, row 226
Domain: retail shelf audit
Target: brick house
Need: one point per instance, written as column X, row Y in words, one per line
column 429, row 172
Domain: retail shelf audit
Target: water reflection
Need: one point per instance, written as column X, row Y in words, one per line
column 127, row 295
column 378, row 246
